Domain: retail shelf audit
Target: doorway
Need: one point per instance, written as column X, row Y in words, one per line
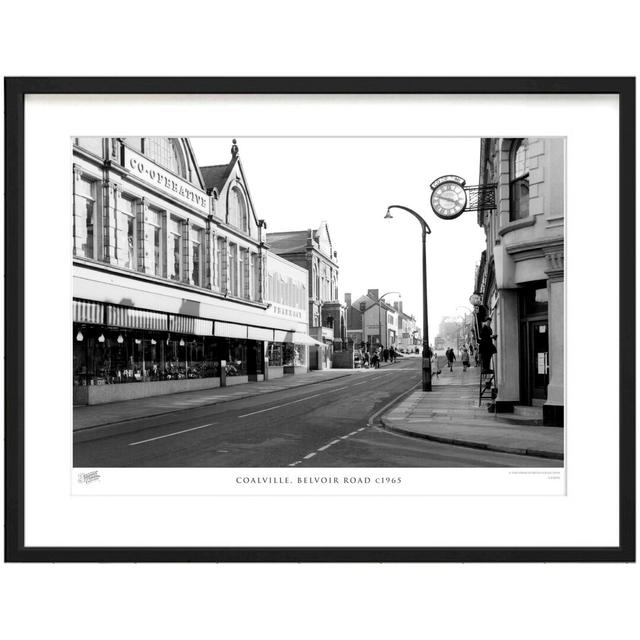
column 534, row 345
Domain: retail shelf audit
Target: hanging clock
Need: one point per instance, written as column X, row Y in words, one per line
column 448, row 200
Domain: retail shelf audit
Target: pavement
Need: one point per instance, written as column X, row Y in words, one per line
column 88, row 416
column 450, row 414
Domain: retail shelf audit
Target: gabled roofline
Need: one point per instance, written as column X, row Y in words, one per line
column 194, row 162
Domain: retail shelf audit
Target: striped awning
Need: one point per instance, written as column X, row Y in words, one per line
column 191, row 325
column 258, row 333
column 88, row 312
column 130, row 318
column 281, row 336
column 229, row 330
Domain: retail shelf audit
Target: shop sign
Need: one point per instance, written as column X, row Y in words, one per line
column 150, row 172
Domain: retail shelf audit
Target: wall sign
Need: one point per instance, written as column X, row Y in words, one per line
column 150, row 172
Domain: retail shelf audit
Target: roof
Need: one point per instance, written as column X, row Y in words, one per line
column 215, row 176
column 287, row 241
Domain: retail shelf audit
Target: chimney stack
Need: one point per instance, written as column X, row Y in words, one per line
column 347, row 299
column 373, row 293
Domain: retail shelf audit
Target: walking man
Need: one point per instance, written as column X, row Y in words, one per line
column 451, row 356
column 486, row 346
column 464, row 356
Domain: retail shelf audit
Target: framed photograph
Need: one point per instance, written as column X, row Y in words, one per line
column 320, row 319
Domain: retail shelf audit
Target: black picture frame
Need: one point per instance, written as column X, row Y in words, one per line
column 16, row 89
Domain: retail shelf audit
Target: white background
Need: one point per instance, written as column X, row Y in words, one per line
column 294, row 601
column 54, row 518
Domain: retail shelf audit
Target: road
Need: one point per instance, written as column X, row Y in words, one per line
column 327, row 424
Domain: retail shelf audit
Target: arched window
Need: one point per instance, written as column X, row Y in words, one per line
column 167, row 153
column 519, row 180
column 237, row 213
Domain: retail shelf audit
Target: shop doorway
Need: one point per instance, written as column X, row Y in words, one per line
column 534, row 345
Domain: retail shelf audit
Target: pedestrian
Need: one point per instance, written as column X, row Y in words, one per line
column 450, row 357
column 392, row 354
column 365, row 362
column 464, row 356
column 486, row 346
column 385, row 354
column 375, row 360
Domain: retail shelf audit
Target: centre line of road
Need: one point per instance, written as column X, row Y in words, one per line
column 286, row 404
column 168, row 435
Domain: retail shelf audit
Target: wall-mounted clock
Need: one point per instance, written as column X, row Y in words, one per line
column 448, row 198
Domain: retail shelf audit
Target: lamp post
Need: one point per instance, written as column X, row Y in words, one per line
column 380, row 318
column 426, row 349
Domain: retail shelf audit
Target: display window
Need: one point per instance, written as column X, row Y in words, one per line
column 109, row 355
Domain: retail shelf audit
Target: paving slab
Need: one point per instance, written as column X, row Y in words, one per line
column 450, row 414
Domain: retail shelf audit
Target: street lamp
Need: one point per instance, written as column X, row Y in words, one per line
column 426, row 349
column 380, row 319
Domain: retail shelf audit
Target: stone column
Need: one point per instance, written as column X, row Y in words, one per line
column 121, row 245
column 224, row 262
column 508, row 356
column 553, row 408
column 186, row 253
column 109, row 195
column 77, row 212
column 209, row 244
column 144, row 238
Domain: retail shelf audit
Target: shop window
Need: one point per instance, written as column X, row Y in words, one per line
column 275, row 354
column 175, row 248
column 255, row 277
column 233, row 269
column 293, row 355
column 196, row 258
column 85, row 218
column 241, row 271
column 157, row 219
column 126, row 232
column 237, row 358
column 519, row 180
column 220, row 261
column 109, row 355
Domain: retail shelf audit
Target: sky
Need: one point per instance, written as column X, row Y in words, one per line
column 295, row 183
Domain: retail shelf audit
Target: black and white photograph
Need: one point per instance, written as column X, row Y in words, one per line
column 318, row 302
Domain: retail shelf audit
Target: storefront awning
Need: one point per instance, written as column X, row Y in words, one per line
column 229, row 330
column 188, row 324
column 303, row 338
column 259, row 333
column 88, row 312
column 130, row 318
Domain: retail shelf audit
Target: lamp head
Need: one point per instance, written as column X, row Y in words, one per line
column 388, row 216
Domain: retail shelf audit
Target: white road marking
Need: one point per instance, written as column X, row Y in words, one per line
column 353, row 433
column 361, row 428
column 168, row 435
column 310, row 455
column 326, row 446
column 286, row 404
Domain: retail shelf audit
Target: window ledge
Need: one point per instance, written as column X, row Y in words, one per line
column 529, row 221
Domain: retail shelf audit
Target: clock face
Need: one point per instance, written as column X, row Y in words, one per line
column 448, row 200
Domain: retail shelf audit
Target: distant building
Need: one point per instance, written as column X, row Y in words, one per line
column 313, row 250
column 521, row 274
column 407, row 330
column 372, row 322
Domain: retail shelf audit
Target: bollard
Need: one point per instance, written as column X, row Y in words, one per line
column 223, row 373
